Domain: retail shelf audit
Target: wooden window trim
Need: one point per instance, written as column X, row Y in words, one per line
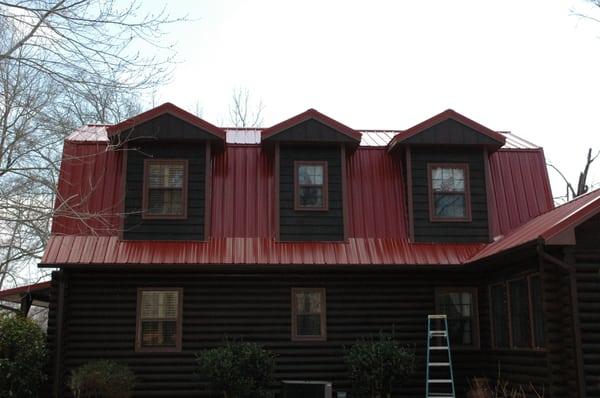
column 146, row 189
column 534, row 343
column 473, row 290
column 492, row 333
column 323, row 336
column 467, row 193
column 138, row 324
column 324, row 164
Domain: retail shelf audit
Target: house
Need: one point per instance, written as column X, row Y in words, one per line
column 172, row 234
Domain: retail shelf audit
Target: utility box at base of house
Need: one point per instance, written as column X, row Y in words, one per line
column 306, row 389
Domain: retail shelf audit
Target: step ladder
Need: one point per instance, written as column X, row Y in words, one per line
column 438, row 345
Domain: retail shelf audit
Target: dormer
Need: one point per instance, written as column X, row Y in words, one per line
column 167, row 154
column 310, row 152
column 447, row 177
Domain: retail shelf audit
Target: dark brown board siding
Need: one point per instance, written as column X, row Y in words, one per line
column 475, row 230
column 166, row 127
column 190, row 228
column 311, row 131
column 302, row 225
column 451, row 132
column 100, row 323
column 587, row 258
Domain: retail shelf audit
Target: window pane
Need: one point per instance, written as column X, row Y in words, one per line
column 449, row 205
column 159, row 333
column 311, row 196
column 458, row 307
column 499, row 316
column 165, row 175
column 537, row 311
column 519, row 312
column 159, row 304
column 165, row 201
column 309, row 325
column 445, row 179
column 310, row 174
column 308, row 303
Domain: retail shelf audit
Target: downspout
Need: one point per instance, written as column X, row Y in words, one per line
column 569, row 267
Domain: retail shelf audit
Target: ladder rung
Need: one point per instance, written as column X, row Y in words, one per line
column 436, row 316
column 439, row 363
column 439, row 348
column 440, row 381
column 440, row 395
column 438, row 334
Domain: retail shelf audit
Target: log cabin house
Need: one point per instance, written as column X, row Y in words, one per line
column 172, row 234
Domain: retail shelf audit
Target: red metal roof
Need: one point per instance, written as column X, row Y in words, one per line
column 90, row 194
column 311, row 114
column 14, row 295
column 109, row 250
column 447, row 114
column 172, row 109
column 547, row 225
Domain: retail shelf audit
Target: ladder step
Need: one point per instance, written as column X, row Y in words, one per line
column 438, row 334
column 440, row 395
column 440, row 381
column 436, row 316
column 439, row 363
column 439, row 348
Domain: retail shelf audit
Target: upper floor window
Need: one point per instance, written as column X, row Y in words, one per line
column 159, row 319
column 460, row 306
column 165, row 188
column 308, row 314
column 449, row 192
column 310, row 185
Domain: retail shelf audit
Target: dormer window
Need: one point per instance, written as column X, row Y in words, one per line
column 449, row 192
column 165, row 188
column 310, row 189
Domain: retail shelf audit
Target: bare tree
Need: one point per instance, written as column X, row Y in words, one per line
column 63, row 63
column 242, row 112
column 582, row 182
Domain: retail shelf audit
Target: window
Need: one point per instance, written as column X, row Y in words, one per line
column 522, row 314
column 519, row 313
column 308, row 314
column 310, row 185
column 537, row 311
column 159, row 320
column 460, row 306
column 165, row 189
column 499, row 316
column 449, row 192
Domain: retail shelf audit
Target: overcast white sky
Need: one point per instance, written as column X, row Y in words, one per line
column 526, row 66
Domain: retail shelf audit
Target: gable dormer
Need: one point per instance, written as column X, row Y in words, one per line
column 447, row 177
column 167, row 155
column 310, row 152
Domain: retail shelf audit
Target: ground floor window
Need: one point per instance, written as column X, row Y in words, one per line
column 460, row 306
column 308, row 314
column 159, row 319
column 516, row 312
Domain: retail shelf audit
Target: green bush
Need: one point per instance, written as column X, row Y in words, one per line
column 102, row 379
column 376, row 364
column 22, row 357
column 238, row 369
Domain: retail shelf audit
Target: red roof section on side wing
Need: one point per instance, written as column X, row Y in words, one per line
column 547, row 225
column 172, row 109
column 311, row 114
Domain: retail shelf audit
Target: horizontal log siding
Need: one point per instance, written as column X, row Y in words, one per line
column 587, row 258
column 306, row 225
column 426, row 231
column 100, row 323
column 191, row 228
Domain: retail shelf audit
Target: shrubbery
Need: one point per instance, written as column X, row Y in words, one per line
column 102, row 379
column 22, row 357
column 238, row 369
column 376, row 364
